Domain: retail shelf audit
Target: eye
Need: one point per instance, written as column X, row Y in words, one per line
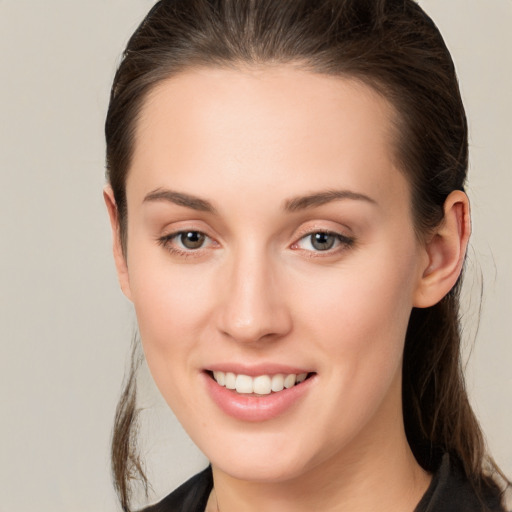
column 185, row 242
column 323, row 241
column 191, row 239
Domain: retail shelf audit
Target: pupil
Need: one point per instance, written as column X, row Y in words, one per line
column 192, row 239
column 322, row 241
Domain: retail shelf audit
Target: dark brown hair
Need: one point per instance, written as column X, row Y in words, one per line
column 394, row 47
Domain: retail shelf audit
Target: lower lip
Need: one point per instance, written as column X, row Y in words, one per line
column 253, row 407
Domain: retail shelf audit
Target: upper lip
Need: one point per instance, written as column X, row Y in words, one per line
column 257, row 369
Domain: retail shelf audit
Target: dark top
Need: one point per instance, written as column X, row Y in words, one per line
column 449, row 491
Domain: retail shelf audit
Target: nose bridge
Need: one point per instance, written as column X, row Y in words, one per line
column 254, row 305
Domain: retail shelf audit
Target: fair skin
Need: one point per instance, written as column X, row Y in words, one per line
column 301, row 258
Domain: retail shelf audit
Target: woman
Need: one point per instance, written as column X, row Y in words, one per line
column 286, row 192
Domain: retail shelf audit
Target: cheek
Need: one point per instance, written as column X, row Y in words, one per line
column 172, row 307
column 166, row 296
column 359, row 314
column 169, row 306
column 357, row 320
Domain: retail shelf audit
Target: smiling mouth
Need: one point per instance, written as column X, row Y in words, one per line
column 258, row 385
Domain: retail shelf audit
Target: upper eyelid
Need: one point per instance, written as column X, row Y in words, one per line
column 317, row 229
column 173, row 232
column 326, row 231
column 320, row 226
column 173, row 235
column 340, row 236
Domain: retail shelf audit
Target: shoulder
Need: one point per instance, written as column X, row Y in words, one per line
column 451, row 491
column 189, row 497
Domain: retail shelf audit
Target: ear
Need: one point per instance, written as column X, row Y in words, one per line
column 119, row 256
column 445, row 250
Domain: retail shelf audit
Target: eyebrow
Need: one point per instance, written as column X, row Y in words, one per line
column 180, row 199
column 321, row 198
column 291, row 205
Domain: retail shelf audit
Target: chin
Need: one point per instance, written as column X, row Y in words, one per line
column 268, row 471
column 264, row 458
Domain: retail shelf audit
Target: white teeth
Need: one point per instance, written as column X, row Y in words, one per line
column 229, row 380
column 260, row 385
column 220, row 377
column 289, row 381
column 278, row 382
column 243, row 384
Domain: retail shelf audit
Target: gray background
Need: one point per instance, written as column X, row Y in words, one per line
column 65, row 327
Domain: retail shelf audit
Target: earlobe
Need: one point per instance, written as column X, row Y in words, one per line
column 446, row 250
column 119, row 256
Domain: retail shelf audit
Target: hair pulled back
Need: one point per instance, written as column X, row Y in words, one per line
column 392, row 46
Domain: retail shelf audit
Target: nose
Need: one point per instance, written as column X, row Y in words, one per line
column 254, row 300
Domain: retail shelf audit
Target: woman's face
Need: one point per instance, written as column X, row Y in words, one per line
column 270, row 237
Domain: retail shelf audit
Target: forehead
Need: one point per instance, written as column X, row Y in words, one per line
column 240, row 123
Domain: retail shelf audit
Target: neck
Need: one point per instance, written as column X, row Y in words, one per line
column 376, row 472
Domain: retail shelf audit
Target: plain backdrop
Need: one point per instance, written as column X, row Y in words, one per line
column 65, row 327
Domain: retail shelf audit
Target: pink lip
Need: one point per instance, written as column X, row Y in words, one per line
column 256, row 408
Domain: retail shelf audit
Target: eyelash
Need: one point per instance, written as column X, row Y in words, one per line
column 341, row 242
column 166, row 241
